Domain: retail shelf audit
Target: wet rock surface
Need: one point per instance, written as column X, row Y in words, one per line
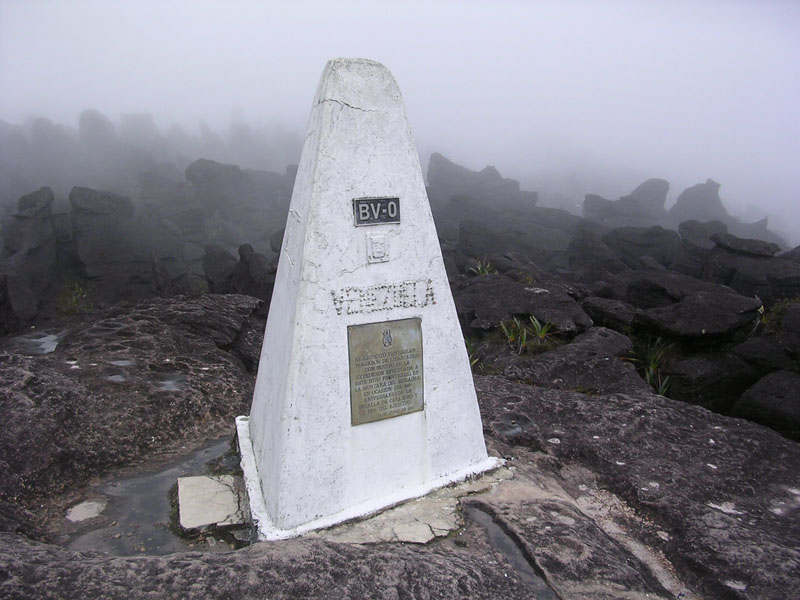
column 716, row 497
column 614, row 495
column 130, row 383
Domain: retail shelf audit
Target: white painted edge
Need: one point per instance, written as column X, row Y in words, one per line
column 266, row 529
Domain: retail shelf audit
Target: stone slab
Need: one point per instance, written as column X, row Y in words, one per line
column 209, row 501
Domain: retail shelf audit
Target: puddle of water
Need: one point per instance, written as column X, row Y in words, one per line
column 123, row 362
column 513, row 553
column 140, row 507
column 37, row 342
column 171, row 382
column 117, row 378
column 85, row 510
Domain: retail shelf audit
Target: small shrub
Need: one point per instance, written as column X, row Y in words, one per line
column 520, row 336
column 516, row 334
column 74, row 300
column 542, row 332
column 483, row 267
column 650, row 357
column 472, row 353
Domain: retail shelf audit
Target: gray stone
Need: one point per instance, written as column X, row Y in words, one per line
column 210, row 501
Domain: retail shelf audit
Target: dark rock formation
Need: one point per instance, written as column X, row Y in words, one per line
column 773, row 401
column 713, row 381
column 793, row 254
column 703, row 316
column 616, row 495
column 543, row 246
column 747, row 267
column 218, row 266
column 764, row 353
column 129, row 258
column 643, row 207
column 719, row 494
column 696, row 245
column 590, row 259
column 447, row 179
column 485, row 301
column 254, row 274
column 28, row 261
column 653, row 289
column 789, row 334
column 700, row 202
column 614, row 314
column 590, row 363
column 242, row 205
column 746, row 247
column 632, row 244
column 120, row 386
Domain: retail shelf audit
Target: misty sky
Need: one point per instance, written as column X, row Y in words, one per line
column 595, row 94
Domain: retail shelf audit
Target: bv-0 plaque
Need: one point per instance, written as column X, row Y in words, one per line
column 385, row 369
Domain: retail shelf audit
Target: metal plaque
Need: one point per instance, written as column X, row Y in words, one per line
column 385, row 369
column 376, row 211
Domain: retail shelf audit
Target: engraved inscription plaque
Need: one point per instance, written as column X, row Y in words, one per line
column 385, row 369
column 376, row 211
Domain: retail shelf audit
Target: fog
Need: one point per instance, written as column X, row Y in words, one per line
column 568, row 97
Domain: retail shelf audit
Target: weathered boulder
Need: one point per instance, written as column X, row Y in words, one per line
column 128, row 258
column 774, row 401
column 700, row 202
column 652, row 194
column 641, row 208
column 789, row 334
column 164, row 191
column 254, row 274
column 746, row 247
column 218, row 266
column 696, row 245
column 614, row 314
column 447, row 179
column 632, row 244
column 703, row 315
column 751, row 273
column 590, row 259
column 543, row 246
column 793, row 254
column 102, row 225
column 716, row 497
column 590, row 363
column 485, row 301
column 242, row 205
column 281, row 570
column 120, row 386
column 28, row 261
column 714, row 381
column 220, row 187
column 656, row 288
column 764, row 353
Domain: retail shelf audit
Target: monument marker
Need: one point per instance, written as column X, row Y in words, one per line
column 364, row 394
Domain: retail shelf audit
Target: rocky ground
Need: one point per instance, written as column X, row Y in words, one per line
column 616, row 358
column 617, row 493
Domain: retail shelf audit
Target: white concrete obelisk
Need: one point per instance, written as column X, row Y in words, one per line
column 364, row 395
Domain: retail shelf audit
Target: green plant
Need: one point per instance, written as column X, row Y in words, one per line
column 516, row 334
column 483, row 267
column 541, row 331
column 650, row 357
column 472, row 353
column 74, row 300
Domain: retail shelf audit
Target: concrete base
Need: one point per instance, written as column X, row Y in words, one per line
column 266, row 529
column 209, row 501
